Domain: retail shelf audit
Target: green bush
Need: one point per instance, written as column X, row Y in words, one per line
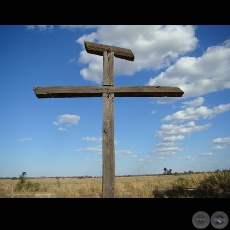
column 215, row 185
column 24, row 184
column 210, row 185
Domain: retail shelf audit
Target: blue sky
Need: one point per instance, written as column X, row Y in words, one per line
column 63, row 136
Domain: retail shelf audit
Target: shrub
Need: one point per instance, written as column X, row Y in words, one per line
column 24, row 184
column 209, row 185
column 215, row 185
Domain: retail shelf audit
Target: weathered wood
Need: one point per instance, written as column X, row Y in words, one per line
column 108, row 92
column 110, row 78
column 108, row 152
column 98, row 49
column 108, row 69
column 97, row 91
column 105, row 68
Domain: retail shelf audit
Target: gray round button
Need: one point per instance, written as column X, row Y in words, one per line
column 201, row 220
column 219, row 220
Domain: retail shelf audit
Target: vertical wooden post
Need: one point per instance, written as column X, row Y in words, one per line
column 108, row 155
column 108, row 92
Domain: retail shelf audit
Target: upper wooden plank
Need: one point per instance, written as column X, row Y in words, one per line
column 98, row 49
column 97, row 91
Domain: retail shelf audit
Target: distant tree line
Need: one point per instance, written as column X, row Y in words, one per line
column 166, row 172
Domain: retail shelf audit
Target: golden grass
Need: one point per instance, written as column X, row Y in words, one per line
column 125, row 187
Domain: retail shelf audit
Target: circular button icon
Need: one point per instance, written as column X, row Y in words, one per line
column 219, row 220
column 201, row 220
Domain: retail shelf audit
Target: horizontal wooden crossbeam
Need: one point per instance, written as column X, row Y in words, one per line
column 98, row 49
column 97, row 91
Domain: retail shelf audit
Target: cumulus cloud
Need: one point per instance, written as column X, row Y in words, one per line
column 173, row 138
column 194, row 103
column 221, row 140
column 219, row 147
column 192, row 113
column 225, row 141
column 154, row 47
column 201, row 75
column 166, row 151
column 172, row 130
column 67, row 118
column 166, row 144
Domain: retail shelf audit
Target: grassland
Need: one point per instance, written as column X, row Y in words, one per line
column 207, row 184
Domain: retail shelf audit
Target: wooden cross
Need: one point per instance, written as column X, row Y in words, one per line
column 108, row 91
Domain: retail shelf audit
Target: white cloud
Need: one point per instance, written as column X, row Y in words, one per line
column 166, row 151
column 172, row 129
column 30, row 27
column 222, row 140
column 62, row 129
column 98, row 149
column 171, row 133
column 154, row 47
column 206, row 154
column 167, row 100
column 185, row 158
column 116, row 142
column 225, row 141
column 90, row 149
column 92, row 138
column 219, row 147
column 25, row 139
column 42, row 28
column 160, row 158
column 154, row 111
column 201, row 75
column 122, row 152
column 67, row 118
column 195, row 103
column 144, row 161
column 196, row 113
column 134, row 156
column 173, row 138
column 166, row 144
column 75, row 27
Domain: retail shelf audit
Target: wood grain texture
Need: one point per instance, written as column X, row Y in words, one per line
column 108, row 91
column 108, row 152
column 98, row 49
column 97, row 91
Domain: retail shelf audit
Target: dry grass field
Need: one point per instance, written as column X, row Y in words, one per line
column 125, row 187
